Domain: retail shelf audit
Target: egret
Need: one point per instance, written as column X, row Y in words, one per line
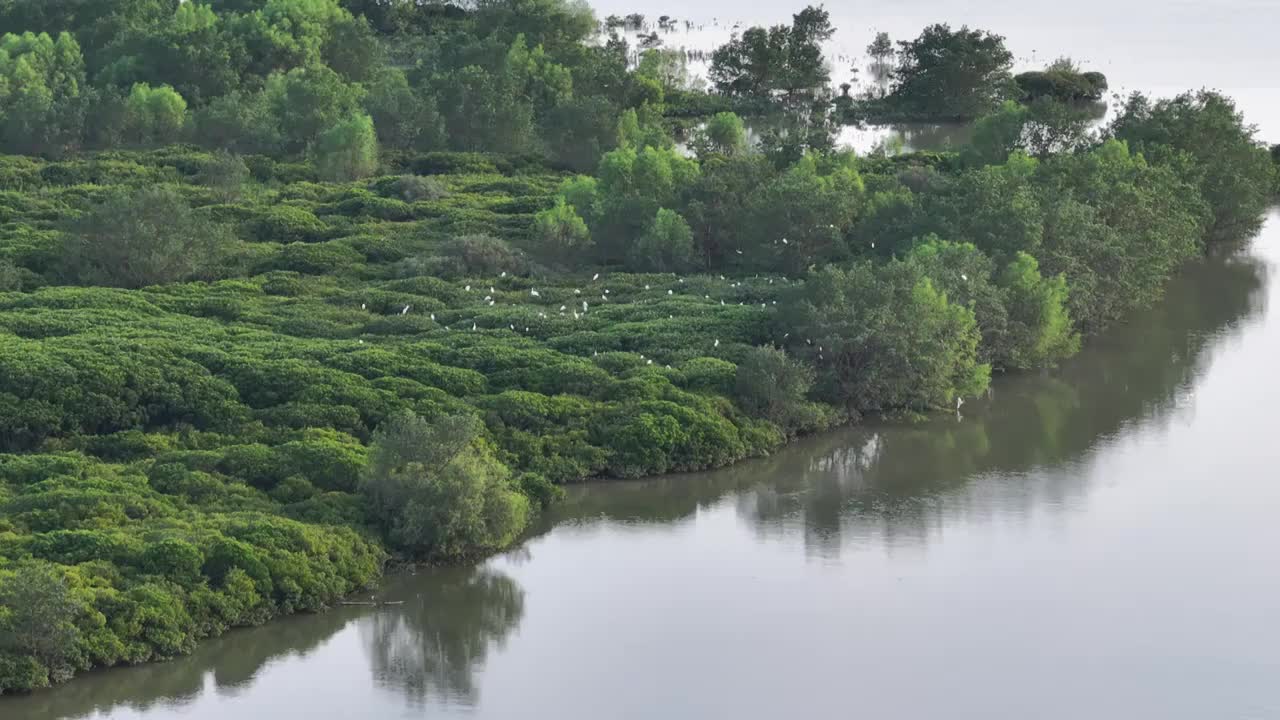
column 504, row 274
column 671, row 292
column 513, row 327
column 361, row 342
column 964, row 277
column 473, row 325
column 576, row 291
column 595, row 277
column 362, row 306
column 487, row 298
column 584, row 306
column 433, row 317
column 405, row 309
column 717, row 343
column 739, row 252
column 606, row 291
column 649, row 363
column 562, row 308
column 468, row 288
column 491, row 303
column 535, row 293
column 959, row 402
column 784, row 241
column 646, row 287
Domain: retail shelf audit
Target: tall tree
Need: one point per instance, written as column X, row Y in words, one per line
column 947, row 74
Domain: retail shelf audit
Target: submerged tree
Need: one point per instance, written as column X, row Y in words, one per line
column 947, row 74
column 781, row 59
column 880, row 49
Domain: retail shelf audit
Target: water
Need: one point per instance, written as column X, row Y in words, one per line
column 1093, row 542
column 1160, row 48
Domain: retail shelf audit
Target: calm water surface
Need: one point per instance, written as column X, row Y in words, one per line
column 1097, row 542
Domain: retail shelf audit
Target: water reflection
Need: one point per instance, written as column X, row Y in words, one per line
column 1022, row 447
column 429, row 647
column 425, row 649
column 224, row 666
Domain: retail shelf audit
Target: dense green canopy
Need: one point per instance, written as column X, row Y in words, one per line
column 292, row 287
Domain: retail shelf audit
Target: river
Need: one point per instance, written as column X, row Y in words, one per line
column 1093, row 542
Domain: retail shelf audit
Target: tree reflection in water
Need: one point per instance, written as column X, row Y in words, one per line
column 1021, row 447
column 429, row 647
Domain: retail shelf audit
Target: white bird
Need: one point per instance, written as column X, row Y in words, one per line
column 606, row 291
column 487, row 298
column 535, row 293
column 468, row 288
column 646, row 287
column 584, row 306
column 784, row 241
column 361, row 342
column 562, row 308
column 513, row 327
column 491, row 290
column 721, row 301
column 739, row 252
column 433, row 317
column 671, row 292
column 959, row 402
column 504, row 274
column 405, row 309
column 491, row 303
column 964, row 277
column 604, row 297
column 576, row 291
column 575, row 314
column 362, row 306
column 717, row 343
column 473, row 326
column 650, row 362
column 596, row 276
